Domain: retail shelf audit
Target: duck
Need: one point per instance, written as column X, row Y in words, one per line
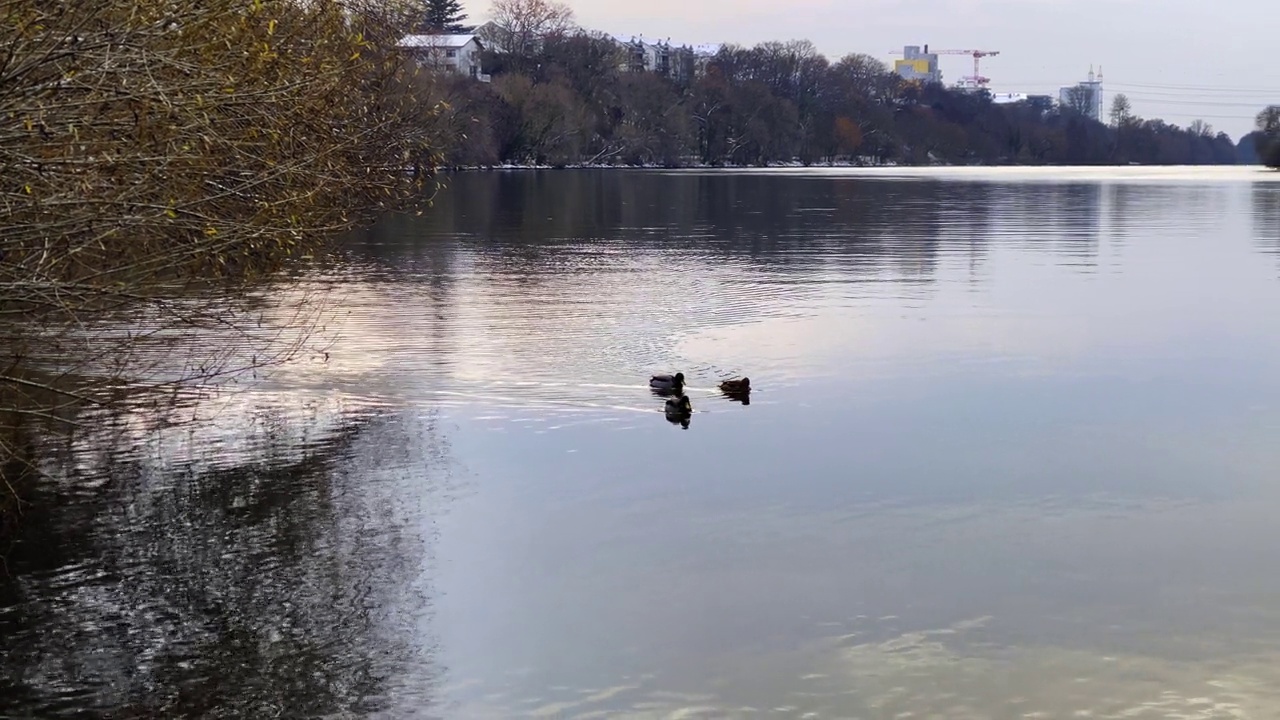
column 736, row 386
column 667, row 382
column 680, row 407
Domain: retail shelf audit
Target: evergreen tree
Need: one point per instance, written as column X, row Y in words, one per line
column 444, row 16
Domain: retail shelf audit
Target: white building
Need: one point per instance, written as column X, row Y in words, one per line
column 703, row 55
column 678, row 62
column 1008, row 98
column 1084, row 97
column 447, row 53
column 642, row 56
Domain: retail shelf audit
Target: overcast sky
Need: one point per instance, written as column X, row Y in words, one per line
column 1175, row 59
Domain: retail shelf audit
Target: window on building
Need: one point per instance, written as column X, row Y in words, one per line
column 451, row 53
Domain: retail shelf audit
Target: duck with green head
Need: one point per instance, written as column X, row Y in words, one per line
column 671, row 383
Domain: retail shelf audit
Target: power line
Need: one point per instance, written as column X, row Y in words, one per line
column 1260, row 99
column 1197, row 116
column 1187, row 93
column 1158, row 87
column 1155, row 87
column 1196, row 103
column 1210, row 117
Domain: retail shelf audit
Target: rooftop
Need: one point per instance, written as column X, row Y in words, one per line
column 703, row 49
column 436, row 41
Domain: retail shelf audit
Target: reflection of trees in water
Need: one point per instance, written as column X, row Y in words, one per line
column 275, row 581
column 606, row 249
column 1145, row 209
column 1079, row 214
column 1063, row 218
column 181, row 342
column 1132, row 208
column 575, row 271
column 522, row 223
column 1266, row 217
column 398, row 246
column 194, row 334
column 779, row 222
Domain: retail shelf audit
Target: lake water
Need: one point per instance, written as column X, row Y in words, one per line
column 1013, row 451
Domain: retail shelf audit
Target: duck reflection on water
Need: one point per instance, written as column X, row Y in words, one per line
column 679, row 411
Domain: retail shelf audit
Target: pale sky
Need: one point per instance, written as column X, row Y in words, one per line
column 1175, row 59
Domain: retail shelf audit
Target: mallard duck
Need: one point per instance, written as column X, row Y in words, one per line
column 667, row 382
column 679, row 407
column 736, row 386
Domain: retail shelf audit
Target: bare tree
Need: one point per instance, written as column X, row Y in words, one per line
column 553, row 119
column 1201, row 128
column 1268, row 121
column 1079, row 99
column 848, row 135
column 519, row 26
column 158, row 156
column 1121, row 110
column 865, row 78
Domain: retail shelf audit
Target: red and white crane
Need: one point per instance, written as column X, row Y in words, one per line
column 977, row 55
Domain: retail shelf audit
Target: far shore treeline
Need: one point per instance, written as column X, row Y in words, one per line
column 560, row 95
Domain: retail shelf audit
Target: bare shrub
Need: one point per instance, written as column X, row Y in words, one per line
column 159, row 157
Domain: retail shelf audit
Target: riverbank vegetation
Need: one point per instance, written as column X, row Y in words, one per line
column 153, row 149
column 1266, row 138
column 567, row 98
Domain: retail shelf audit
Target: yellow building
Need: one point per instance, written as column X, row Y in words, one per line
column 918, row 65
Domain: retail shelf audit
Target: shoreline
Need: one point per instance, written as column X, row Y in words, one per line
column 797, row 165
column 887, row 168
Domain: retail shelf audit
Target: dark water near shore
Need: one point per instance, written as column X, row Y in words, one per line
column 1014, row 451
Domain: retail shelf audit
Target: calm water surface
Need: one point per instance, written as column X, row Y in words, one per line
column 1012, row 452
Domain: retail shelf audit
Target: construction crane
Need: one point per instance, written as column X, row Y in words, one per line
column 977, row 78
